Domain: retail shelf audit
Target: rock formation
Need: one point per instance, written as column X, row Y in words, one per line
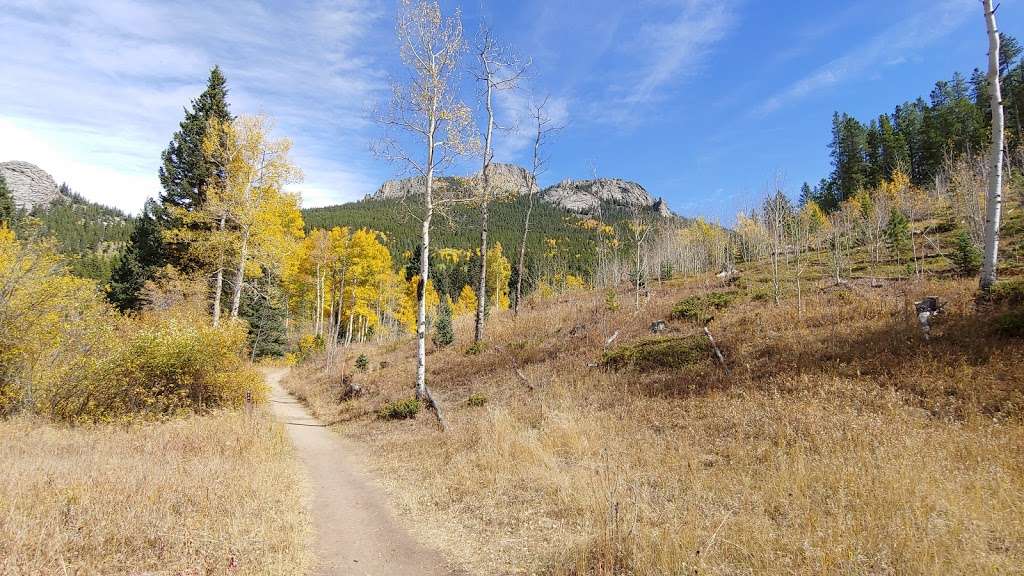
column 507, row 179
column 29, row 184
column 585, row 196
column 579, row 196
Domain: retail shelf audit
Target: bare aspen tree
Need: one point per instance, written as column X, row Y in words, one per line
column 776, row 216
column 544, row 128
column 640, row 225
column 426, row 109
column 993, row 207
column 498, row 71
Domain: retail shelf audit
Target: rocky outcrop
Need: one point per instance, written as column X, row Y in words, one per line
column 586, row 196
column 30, row 185
column 506, row 179
column 579, row 196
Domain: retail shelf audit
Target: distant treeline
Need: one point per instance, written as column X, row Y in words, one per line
column 921, row 136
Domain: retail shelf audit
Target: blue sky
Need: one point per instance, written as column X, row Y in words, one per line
column 701, row 101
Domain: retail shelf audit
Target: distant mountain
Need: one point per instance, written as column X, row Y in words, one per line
column 577, row 196
column 30, row 185
column 587, row 196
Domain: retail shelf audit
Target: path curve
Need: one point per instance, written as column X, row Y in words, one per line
column 356, row 533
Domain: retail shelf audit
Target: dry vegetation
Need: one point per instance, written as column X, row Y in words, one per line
column 841, row 441
column 216, row 494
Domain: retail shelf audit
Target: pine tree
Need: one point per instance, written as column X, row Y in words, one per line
column 186, row 173
column 264, row 310
column 966, row 257
column 849, row 173
column 897, row 234
column 143, row 255
column 7, row 209
column 444, row 333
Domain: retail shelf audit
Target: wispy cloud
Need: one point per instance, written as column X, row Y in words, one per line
column 99, row 87
column 668, row 46
column 518, row 128
column 889, row 47
column 677, row 48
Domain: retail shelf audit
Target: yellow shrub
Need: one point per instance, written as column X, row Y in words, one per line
column 165, row 364
column 66, row 353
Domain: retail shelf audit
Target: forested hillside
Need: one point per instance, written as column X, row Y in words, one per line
column 557, row 235
column 90, row 235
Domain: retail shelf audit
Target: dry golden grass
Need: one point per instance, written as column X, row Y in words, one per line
column 217, row 494
column 841, row 442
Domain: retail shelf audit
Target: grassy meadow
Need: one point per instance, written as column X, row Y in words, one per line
column 212, row 494
column 839, row 441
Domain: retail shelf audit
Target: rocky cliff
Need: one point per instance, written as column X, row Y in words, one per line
column 505, row 179
column 30, row 185
column 585, row 196
column 579, row 196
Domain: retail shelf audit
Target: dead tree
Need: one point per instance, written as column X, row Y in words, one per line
column 499, row 71
column 544, row 129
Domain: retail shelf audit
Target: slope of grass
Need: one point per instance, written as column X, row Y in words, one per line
column 215, row 494
column 841, row 442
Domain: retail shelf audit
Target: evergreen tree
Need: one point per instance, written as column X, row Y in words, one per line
column 444, row 333
column 897, row 235
column 186, row 172
column 966, row 257
column 7, row 209
column 806, row 194
column 264, row 310
column 141, row 258
column 849, row 167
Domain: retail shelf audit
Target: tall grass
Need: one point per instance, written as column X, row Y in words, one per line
column 216, row 494
column 840, row 442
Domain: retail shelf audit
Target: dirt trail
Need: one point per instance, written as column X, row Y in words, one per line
column 356, row 533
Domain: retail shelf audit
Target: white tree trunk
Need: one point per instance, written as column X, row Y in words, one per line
column 421, row 290
column 218, row 285
column 240, row 275
column 994, row 204
column 481, row 296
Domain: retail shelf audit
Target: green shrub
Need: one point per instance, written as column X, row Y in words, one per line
column 701, row 306
column 966, row 257
column 611, row 300
column 476, row 348
column 1009, row 292
column 1011, row 324
column 444, row 332
column 362, row 363
column 400, row 409
column 658, row 353
column 476, row 400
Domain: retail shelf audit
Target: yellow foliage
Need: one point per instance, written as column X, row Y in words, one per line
column 65, row 352
column 407, row 305
column 466, row 303
column 499, row 270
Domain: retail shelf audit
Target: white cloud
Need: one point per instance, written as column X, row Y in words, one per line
column 97, row 88
column 890, row 47
column 678, row 47
column 514, row 114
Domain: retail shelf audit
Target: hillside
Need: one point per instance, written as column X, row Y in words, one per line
column 91, row 235
column 459, row 228
column 838, row 441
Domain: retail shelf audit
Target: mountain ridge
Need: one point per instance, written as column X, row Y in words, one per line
column 583, row 197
